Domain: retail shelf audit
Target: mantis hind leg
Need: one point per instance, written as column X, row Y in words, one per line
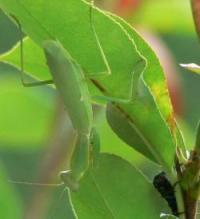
column 22, row 72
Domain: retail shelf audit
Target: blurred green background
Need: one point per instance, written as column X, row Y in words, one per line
column 31, row 147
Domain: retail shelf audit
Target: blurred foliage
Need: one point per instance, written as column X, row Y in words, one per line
column 33, row 107
column 183, row 53
column 165, row 16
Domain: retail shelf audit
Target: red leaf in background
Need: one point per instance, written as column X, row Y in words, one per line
column 126, row 6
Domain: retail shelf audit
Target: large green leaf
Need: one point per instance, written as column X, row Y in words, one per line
column 151, row 111
column 126, row 131
column 115, row 189
column 112, row 144
column 155, row 81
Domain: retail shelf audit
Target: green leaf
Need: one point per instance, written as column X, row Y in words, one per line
column 150, row 112
column 145, row 120
column 153, row 75
column 11, row 206
column 126, row 131
column 112, row 144
column 191, row 67
column 115, row 189
column 155, row 81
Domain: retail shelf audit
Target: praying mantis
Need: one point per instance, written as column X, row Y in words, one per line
column 70, row 82
column 68, row 77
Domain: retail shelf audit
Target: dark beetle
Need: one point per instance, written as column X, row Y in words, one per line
column 165, row 188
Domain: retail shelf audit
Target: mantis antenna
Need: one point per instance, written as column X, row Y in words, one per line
column 36, row 184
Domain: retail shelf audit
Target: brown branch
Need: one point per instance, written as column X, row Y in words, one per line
column 60, row 141
column 196, row 14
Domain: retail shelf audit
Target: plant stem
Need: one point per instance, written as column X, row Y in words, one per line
column 190, row 205
column 179, row 192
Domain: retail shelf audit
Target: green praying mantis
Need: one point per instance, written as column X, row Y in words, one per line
column 70, row 82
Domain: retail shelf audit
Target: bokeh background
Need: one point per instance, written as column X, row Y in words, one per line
column 35, row 131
